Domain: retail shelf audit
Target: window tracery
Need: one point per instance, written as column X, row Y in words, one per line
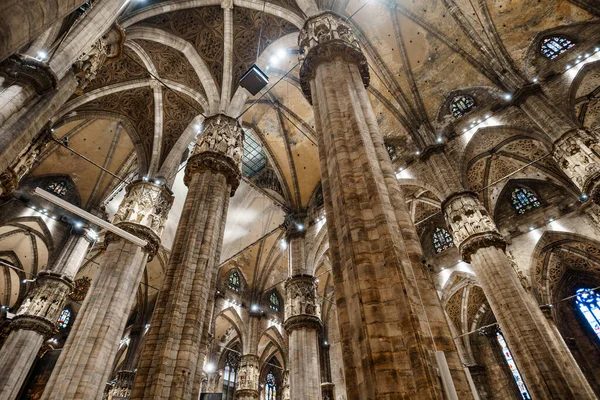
column 512, row 366
column 588, row 302
column 524, row 199
column 442, row 240
column 230, row 375
column 461, row 105
column 64, row 318
column 270, row 387
column 235, row 281
column 57, row 188
column 554, row 46
column 254, row 158
column 274, row 301
column 391, row 151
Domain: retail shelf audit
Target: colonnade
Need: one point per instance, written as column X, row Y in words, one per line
column 391, row 322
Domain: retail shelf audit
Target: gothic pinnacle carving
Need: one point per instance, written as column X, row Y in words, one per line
column 302, row 307
column 218, row 149
column 471, row 224
column 28, row 70
column 325, row 37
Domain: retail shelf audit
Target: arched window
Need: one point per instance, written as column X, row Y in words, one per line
column 63, row 318
column 274, row 301
column 524, row 199
column 513, row 367
column 588, row 303
column 234, row 281
column 554, row 46
column 391, row 151
column 461, row 105
column 57, row 188
column 230, row 375
column 270, row 387
column 254, row 156
column 441, row 240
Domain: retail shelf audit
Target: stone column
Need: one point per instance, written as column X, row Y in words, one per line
column 385, row 355
column 86, row 360
column 548, row 370
column 302, row 321
column 38, row 315
column 168, row 365
column 248, row 375
column 124, row 377
column 32, row 90
column 285, row 386
column 10, row 178
column 23, row 21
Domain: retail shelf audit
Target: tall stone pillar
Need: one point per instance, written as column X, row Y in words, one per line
column 249, row 369
column 86, row 360
column 385, row 355
column 124, row 376
column 10, row 178
column 302, row 321
column 37, row 317
column 548, row 370
column 169, row 361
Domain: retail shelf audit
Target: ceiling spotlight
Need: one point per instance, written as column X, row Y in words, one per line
column 535, row 80
column 281, row 53
column 78, row 225
column 273, row 61
column 417, row 152
column 487, row 115
column 439, row 140
column 586, row 55
column 531, row 228
column 254, row 307
column 464, row 130
column 326, row 343
column 507, row 96
column 568, row 66
column 41, row 55
column 584, row 197
column 300, row 227
column 210, row 367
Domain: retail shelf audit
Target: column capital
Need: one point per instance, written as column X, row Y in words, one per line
column 301, row 307
column 471, row 225
column 28, row 70
column 248, row 375
column 325, row 37
column 218, row 149
column 143, row 212
column 34, row 323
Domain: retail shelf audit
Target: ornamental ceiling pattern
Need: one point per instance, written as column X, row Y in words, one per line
column 172, row 64
column 178, row 113
column 135, row 105
column 203, row 28
column 127, row 68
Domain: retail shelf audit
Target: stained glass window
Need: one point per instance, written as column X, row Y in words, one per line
column 524, row 199
column 230, row 375
column 63, row 318
column 513, row 366
column 554, row 46
column 58, row 188
column 274, row 301
column 234, row 281
column 441, row 240
column 391, row 151
column 254, row 156
column 270, row 387
column 461, row 105
column 588, row 302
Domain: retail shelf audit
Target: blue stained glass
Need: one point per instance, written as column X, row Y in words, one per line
column 461, row 105
column 554, row 46
column 63, row 318
column 442, row 240
column 524, row 199
column 234, row 281
column 274, row 301
column 513, row 367
column 270, row 387
column 588, row 302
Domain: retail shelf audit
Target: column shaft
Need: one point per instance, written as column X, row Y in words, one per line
column 169, row 361
column 548, row 370
column 385, row 355
column 37, row 317
column 86, row 360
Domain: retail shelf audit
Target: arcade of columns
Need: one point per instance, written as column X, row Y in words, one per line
column 391, row 323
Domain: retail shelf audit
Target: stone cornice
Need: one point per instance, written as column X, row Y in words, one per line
column 303, row 321
column 28, row 70
column 40, row 325
column 215, row 162
column 141, row 231
column 478, row 241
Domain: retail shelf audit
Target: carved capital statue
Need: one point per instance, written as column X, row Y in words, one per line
column 324, row 38
column 302, row 307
